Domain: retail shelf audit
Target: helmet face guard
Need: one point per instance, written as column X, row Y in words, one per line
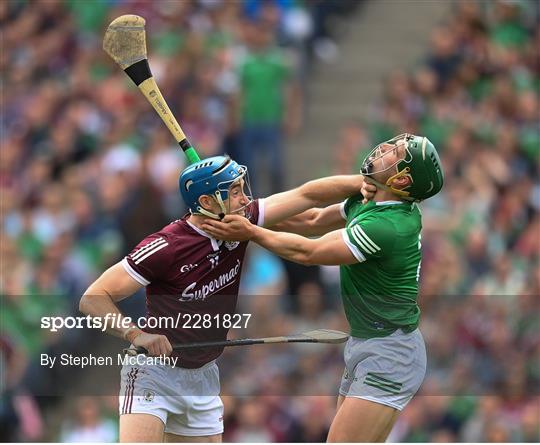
column 419, row 162
column 378, row 153
column 224, row 188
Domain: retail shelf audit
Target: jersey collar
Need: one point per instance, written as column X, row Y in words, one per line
column 384, row 203
column 215, row 243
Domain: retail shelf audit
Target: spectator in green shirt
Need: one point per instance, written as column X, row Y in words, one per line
column 268, row 102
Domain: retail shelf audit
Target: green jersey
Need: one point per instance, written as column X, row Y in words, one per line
column 379, row 292
column 263, row 78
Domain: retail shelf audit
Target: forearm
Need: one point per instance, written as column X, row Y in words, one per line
column 316, row 193
column 330, row 249
column 101, row 297
column 325, row 191
column 301, row 224
column 98, row 304
column 312, row 222
column 290, row 246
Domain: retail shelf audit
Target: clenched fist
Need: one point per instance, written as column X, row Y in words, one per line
column 155, row 344
column 368, row 190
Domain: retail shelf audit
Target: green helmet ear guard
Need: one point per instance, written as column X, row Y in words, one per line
column 421, row 164
column 425, row 168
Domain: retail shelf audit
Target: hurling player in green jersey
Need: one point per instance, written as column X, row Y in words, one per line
column 378, row 247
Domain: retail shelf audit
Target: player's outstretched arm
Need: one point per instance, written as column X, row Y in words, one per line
column 313, row 222
column 99, row 300
column 316, row 193
column 330, row 249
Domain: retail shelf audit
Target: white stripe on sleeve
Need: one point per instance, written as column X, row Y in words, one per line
column 136, row 276
column 354, row 250
column 145, row 248
column 368, row 239
column 360, row 241
column 151, row 252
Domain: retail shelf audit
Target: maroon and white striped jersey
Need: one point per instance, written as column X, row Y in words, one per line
column 188, row 272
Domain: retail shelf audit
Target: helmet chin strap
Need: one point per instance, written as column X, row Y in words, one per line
column 388, row 187
column 219, row 200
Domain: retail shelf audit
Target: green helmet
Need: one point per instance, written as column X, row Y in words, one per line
column 421, row 164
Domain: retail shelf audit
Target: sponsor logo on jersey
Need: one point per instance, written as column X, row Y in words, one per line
column 231, row 245
column 187, row 267
column 192, row 293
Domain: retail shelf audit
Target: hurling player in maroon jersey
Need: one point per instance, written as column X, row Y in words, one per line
column 187, row 272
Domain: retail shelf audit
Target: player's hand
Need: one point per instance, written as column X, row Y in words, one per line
column 155, row 344
column 230, row 228
column 368, row 190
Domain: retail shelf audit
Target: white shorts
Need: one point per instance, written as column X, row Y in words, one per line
column 387, row 370
column 186, row 400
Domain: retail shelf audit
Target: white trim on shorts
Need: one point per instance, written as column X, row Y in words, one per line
column 373, row 399
column 145, row 412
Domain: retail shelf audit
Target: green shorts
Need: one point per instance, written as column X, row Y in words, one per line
column 387, row 370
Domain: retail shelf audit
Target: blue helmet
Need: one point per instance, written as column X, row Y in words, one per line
column 212, row 176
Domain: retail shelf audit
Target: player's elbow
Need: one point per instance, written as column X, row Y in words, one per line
column 306, row 223
column 306, row 259
column 316, row 219
column 88, row 300
column 308, row 262
column 303, row 252
column 85, row 304
column 310, row 191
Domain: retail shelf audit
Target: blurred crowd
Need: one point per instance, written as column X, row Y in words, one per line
column 87, row 170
